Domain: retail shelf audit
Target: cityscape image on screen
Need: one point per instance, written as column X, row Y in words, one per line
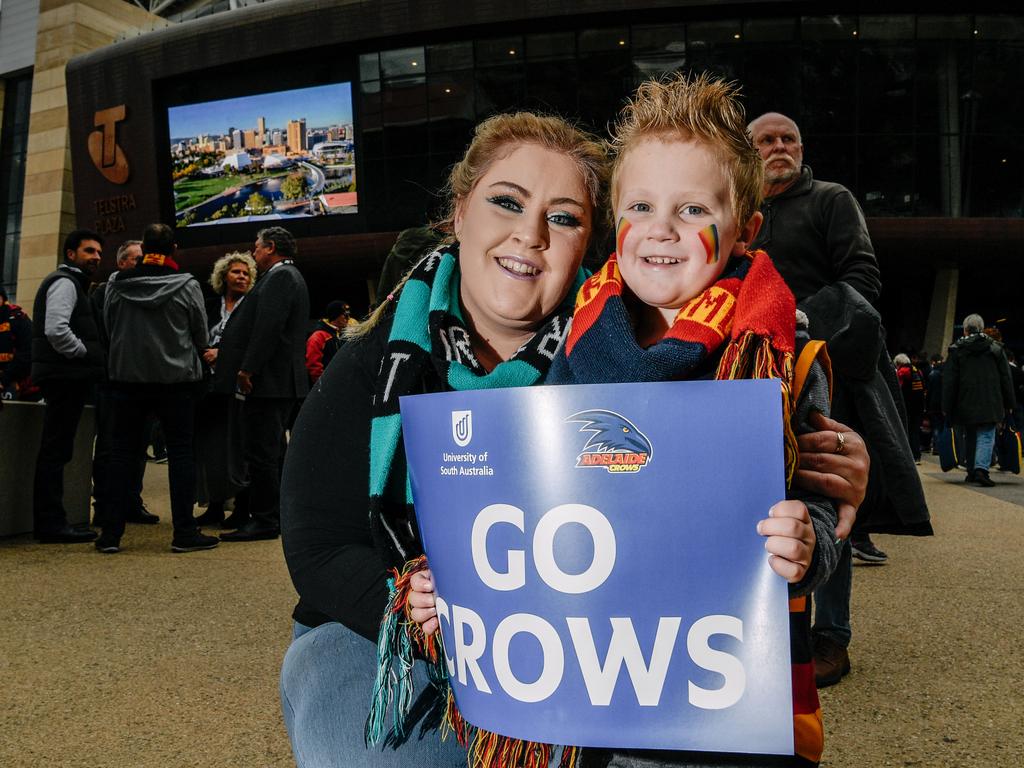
column 264, row 157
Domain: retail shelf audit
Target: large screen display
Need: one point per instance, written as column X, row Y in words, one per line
column 264, row 157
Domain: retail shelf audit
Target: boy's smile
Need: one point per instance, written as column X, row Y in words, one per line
column 677, row 224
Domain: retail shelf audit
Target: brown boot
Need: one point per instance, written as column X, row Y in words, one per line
column 831, row 661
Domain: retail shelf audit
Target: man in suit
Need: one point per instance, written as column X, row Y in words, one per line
column 262, row 360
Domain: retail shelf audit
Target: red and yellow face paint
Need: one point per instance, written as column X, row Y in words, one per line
column 621, row 230
column 709, row 239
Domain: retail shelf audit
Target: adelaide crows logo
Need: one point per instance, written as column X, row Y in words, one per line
column 614, row 442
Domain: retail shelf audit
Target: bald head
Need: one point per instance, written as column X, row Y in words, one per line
column 778, row 141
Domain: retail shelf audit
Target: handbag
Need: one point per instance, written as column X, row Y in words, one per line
column 950, row 447
column 1008, row 447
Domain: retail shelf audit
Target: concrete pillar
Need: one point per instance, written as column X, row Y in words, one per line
column 66, row 28
column 938, row 334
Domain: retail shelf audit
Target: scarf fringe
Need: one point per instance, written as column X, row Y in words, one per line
column 766, row 362
column 399, row 637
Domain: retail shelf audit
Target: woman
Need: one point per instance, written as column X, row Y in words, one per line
column 232, row 277
column 912, row 387
column 522, row 212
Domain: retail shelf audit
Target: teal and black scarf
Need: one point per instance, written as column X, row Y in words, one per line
column 428, row 349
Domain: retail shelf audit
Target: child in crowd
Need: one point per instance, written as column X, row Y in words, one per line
column 682, row 298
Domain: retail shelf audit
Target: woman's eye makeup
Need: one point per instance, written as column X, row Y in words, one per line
column 564, row 219
column 507, row 202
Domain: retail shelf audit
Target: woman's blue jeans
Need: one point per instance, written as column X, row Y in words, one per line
column 326, row 685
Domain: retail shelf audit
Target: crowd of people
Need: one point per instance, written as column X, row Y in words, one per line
column 706, row 205
column 221, row 374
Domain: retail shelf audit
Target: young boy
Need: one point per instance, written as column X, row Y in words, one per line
column 683, row 298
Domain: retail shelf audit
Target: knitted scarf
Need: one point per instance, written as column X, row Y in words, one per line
column 428, row 356
column 749, row 310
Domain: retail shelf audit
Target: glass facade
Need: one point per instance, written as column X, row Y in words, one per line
column 916, row 114
column 13, row 149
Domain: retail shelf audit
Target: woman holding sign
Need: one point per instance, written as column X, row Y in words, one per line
column 487, row 310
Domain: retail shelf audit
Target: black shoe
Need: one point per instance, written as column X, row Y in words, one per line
column 970, row 476
column 868, row 552
column 193, row 541
column 252, row 532
column 66, row 534
column 214, row 515
column 108, row 545
column 143, row 517
column 236, row 520
column 981, row 478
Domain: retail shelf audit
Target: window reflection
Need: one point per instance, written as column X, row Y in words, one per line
column 918, row 115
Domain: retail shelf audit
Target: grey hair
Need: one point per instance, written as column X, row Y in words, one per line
column 974, row 324
column 123, row 249
column 284, row 242
column 901, row 359
column 223, row 264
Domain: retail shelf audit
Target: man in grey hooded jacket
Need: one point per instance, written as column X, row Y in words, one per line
column 156, row 323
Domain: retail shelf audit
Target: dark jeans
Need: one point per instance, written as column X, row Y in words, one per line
column 101, row 462
column 64, row 403
column 174, row 406
column 265, row 420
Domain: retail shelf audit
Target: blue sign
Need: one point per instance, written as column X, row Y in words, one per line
column 601, row 581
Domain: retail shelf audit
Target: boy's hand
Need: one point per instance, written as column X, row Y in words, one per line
column 789, row 539
column 422, row 600
column 839, row 475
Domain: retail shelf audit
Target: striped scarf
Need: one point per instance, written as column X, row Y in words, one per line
column 748, row 309
column 432, row 356
column 439, row 352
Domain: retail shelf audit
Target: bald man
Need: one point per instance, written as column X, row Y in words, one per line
column 813, row 230
column 815, row 234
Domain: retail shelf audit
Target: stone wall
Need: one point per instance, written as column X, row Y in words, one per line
column 66, row 29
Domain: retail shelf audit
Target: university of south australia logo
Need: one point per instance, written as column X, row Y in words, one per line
column 462, row 427
column 613, row 442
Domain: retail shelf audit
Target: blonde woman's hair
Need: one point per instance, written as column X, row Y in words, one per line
column 694, row 108
column 223, row 264
column 496, row 138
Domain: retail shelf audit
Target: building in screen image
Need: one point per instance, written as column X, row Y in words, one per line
column 268, row 156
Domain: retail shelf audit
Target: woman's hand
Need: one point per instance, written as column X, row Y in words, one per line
column 789, row 539
column 422, row 600
column 833, row 467
column 210, row 355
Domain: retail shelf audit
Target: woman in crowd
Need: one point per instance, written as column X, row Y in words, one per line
column 232, row 277
column 485, row 310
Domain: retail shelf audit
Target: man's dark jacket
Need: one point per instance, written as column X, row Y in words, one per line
column 976, row 383
column 867, row 398
column 816, row 235
column 47, row 363
column 266, row 336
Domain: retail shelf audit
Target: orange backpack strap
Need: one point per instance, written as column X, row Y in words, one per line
column 813, row 350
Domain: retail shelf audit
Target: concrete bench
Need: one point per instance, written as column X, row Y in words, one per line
column 21, row 427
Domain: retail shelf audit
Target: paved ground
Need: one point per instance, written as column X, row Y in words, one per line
column 150, row 659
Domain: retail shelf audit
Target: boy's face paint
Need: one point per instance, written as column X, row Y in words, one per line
column 709, row 239
column 675, row 200
column 621, row 230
